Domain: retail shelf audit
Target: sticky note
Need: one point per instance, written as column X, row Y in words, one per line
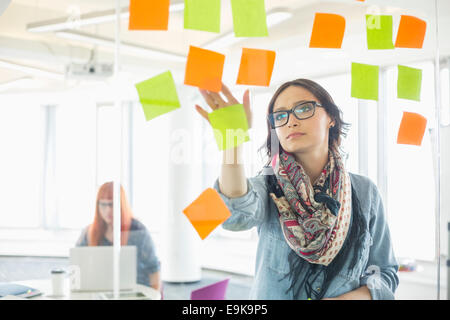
column 149, row 14
column 204, row 69
column 256, row 67
column 365, row 81
column 230, row 126
column 328, row 31
column 158, row 95
column 203, row 15
column 379, row 32
column 207, row 212
column 215, row 291
column 412, row 128
column 409, row 83
column 249, row 18
column 411, row 32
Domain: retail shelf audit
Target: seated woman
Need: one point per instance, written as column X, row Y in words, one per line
column 133, row 233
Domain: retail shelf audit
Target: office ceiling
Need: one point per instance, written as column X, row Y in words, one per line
column 290, row 38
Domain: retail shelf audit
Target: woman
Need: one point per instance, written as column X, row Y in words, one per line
column 133, row 233
column 322, row 230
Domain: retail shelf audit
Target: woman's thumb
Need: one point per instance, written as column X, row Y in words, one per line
column 246, row 98
column 246, row 102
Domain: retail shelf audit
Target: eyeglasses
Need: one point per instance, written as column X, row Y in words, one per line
column 105, row 204
column 301, row 111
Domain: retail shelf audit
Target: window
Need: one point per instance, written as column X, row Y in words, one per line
column 445, row 96
column 70, row 188
column 109, row 128
column 338, row 87
column 150, row 168
column 445, row 159
column 22, row 141
column 411, row 184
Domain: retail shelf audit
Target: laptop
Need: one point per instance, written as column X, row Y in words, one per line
column 96, row 268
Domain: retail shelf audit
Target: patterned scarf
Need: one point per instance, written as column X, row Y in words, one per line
column 314, row 219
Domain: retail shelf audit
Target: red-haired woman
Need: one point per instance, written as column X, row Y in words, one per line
column 133, row 233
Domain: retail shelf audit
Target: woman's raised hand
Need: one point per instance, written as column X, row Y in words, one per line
column 215, row 101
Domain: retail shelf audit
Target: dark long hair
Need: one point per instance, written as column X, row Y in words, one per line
column 357, row 226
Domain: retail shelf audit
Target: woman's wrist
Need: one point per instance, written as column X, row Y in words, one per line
column 232, row 180
column 233, row 156
column 362, row 293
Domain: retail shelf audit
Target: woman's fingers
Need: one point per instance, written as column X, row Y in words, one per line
column 246, row 98
column 209, row 99
column 215, row 101
column 246, row 104
column 218, row 99
column 202, row 112
column 228, row 95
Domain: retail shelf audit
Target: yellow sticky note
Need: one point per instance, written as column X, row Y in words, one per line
column 365, row 80
column 409, row 83
column 158, row 95
column 230, row 126
column 202, row 15
column 249, row 18
column 379, row 32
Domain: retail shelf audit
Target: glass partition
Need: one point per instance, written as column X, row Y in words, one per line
column 81, row 162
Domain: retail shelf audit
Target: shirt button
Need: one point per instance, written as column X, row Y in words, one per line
column 318, row 289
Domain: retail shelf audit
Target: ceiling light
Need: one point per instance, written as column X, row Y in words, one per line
column 92, row 18
column 21, row 83
column 31, row 70
column 129, row 48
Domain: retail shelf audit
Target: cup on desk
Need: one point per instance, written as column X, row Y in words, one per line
column 58, row 280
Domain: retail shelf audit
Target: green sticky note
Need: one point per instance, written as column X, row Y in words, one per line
column 379, row 32
column 365, row 81
column 158, row 95
column 409, row 83
column 230, row 126
column 203, row 15
column 249, row 18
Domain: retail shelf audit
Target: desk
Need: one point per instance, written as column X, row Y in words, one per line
column 45, row 286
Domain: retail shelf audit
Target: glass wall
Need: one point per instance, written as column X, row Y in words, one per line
column 67, row 138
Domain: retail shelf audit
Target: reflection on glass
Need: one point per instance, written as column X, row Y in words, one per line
column 133, row 233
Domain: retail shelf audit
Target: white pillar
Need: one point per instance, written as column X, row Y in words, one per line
column 383, row 141
column 363, row 137
column 181, row 260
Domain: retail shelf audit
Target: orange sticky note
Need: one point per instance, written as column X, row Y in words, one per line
column 149, row 15
column 412, row 129
column 328, row 31
column 256, row 67
column 411, row 32
column 204, row 69
column 207, row 212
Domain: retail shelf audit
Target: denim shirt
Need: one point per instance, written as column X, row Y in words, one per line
column 377, row 266
column 138, row 236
